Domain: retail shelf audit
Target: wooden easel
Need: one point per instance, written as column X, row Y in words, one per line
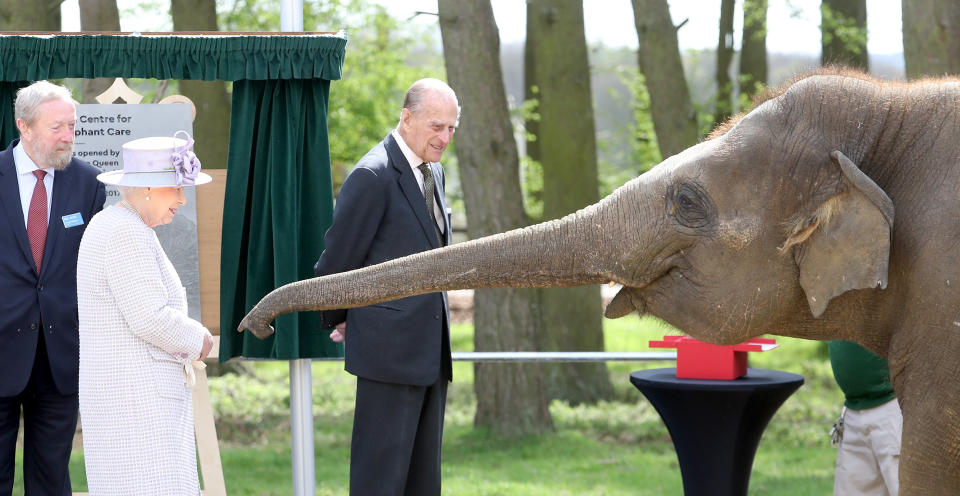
column 209, row 229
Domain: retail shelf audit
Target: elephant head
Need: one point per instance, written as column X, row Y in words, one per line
column 727, row 240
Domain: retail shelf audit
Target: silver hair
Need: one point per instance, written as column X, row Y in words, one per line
column 420, row 89
column 129, row 191
column 31, row 97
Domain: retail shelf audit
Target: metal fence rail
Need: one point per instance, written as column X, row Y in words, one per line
column 553, row 356
column 563, row 356
column 301, row 416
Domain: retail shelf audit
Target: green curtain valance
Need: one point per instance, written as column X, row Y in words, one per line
column 208, row 57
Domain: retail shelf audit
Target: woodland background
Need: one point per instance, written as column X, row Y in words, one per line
column 550, row 125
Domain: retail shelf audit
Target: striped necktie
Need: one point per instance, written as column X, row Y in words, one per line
column 429, row 186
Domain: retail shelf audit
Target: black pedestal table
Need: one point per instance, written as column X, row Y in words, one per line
column 716, row 425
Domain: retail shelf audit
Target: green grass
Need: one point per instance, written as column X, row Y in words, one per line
column 614, row 448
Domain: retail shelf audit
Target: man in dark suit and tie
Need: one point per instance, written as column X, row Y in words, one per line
column 392, row 205
column 47, row 198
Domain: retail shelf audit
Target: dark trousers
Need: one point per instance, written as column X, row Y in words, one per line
column 397, row 434
column 49, row 422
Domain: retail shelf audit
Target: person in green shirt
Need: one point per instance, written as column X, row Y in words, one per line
column 870, row 428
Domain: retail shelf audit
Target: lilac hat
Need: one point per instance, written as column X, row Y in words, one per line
column 158, row 162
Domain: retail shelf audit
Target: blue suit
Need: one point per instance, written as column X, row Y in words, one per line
column 399, row 350
column 38, row 366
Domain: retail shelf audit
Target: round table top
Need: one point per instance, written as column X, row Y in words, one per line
column 753, row 380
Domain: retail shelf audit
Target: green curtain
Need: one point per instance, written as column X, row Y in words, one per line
column 279, row 198
column 279, row 177
column 230, row 58
column 8, row 125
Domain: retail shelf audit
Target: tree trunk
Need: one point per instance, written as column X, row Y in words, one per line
column 931, row 37
column 753, row 47
column 531, row 89
column 97, row 15
column 724, row 57
column 31, row 15
column 212, row 125
column 570, row 317
column 674, row 119
column 843, row 33
column 531, row 173
column 511, row 398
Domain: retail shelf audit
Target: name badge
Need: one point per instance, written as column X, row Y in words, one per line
column 72, row 220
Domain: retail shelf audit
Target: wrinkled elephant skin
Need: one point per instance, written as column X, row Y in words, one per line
column 782, row 222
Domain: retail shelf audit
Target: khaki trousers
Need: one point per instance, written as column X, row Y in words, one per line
column 868, row 458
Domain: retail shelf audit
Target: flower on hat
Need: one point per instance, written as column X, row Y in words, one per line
column 185, row 162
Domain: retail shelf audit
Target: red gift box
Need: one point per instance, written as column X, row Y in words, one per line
column 699, row 360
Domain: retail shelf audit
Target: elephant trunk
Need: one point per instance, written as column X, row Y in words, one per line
column 557, row 253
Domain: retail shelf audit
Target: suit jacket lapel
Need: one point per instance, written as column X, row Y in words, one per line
column 439, row 192
column 10, row 198
column 411, row 189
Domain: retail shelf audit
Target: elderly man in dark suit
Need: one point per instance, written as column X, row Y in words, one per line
column 392, row 205
column 47, row 198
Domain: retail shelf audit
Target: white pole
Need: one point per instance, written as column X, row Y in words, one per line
column 301, row 427
column 291, row 15
column 301, row 390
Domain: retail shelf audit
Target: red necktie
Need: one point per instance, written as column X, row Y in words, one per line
column 37, row 219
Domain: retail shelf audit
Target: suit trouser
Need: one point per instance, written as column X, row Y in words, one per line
column 49, row 423
column 397, row 434
column 868, row 458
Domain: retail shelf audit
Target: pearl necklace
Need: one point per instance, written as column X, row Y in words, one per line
column 124, row 204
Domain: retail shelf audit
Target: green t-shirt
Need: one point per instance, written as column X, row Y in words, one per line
column 863, row 376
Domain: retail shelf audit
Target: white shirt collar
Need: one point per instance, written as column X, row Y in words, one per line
column 412, row 158
column 415, row 161
column 25, row 164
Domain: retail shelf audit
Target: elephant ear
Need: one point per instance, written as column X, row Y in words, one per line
column 845, row 244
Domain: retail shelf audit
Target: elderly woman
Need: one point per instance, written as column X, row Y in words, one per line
column 137, row 344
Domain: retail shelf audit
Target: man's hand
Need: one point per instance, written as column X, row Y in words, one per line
column 339, row 333
column 207, row 346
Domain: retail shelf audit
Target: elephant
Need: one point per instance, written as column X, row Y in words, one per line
column 780, row 222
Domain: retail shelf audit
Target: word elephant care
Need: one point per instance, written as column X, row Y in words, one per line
column 781, row 222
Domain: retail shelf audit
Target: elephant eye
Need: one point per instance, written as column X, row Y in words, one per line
column 690, row 205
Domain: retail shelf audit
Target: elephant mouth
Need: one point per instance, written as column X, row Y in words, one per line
column 631, row 298
column 623, row 303
column 631, row 295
